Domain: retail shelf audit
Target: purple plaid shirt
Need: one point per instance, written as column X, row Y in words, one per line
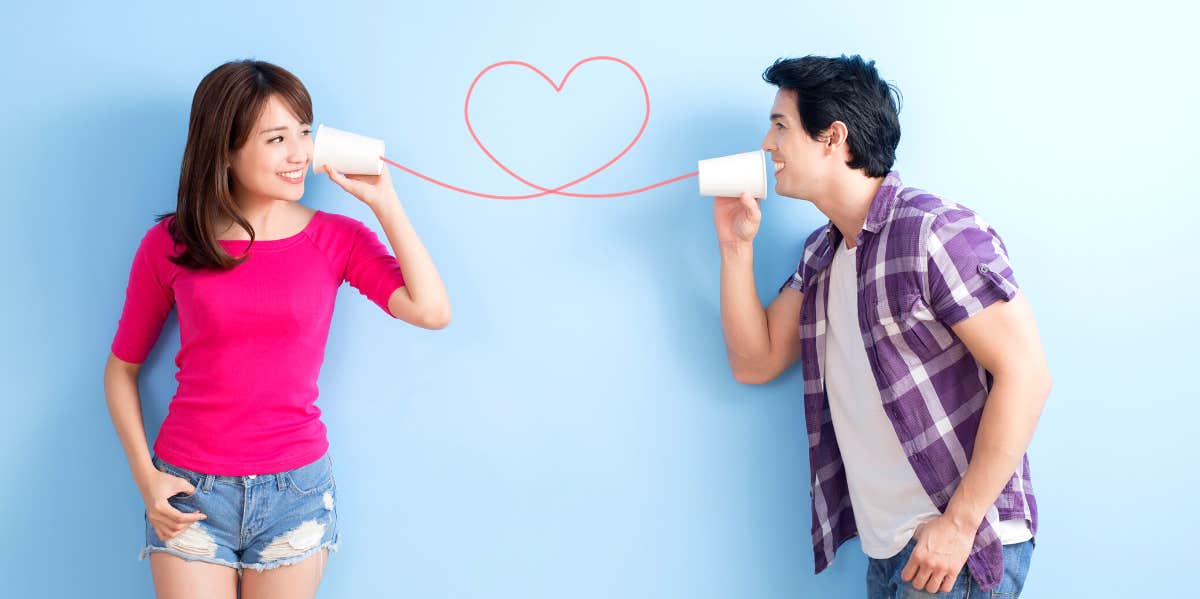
column 923, row 265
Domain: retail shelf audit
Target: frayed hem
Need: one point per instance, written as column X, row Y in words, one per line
column 146, row 551
column 332, row 546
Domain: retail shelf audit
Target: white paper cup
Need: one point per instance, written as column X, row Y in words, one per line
column 733, row 175
column 347, row 152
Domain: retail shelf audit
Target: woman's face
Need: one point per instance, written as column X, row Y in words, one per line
column 272, row 163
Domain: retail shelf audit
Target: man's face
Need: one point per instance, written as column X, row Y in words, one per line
column 801, row 162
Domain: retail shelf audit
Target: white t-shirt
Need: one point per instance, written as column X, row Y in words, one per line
column 889, row 502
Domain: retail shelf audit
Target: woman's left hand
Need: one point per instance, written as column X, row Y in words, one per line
column 372, row 190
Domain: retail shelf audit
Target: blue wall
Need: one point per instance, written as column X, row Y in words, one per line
column 576, row 431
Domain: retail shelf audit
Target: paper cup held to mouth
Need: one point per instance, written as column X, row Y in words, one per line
column 347, row 152
column 735, row 174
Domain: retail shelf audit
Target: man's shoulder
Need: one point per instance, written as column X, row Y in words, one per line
column 919, row 214
column 816, row 245
column 914, row 202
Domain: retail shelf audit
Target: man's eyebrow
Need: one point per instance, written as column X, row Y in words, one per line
column 776, row 117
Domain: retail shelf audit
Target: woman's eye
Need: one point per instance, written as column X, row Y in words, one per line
column 277, row 137
column 306, row 132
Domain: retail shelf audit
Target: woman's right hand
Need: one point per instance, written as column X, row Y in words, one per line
column 736, row 219
column 166, row 520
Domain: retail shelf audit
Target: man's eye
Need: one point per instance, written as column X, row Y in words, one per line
column 779, row 125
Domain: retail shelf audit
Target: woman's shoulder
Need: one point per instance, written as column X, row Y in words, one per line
column 157, row 247
column 336, row 221
column 160, row 241
column 158, row 235
column 336, row 228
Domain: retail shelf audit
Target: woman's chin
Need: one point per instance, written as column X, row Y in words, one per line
column 292, row 196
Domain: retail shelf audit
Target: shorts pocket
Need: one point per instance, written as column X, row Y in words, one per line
column 193, row 478
column 316, row 477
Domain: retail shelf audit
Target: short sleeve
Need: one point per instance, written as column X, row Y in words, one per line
column 816, row 246
column 149, row 297
column 968, row 267
column 795, row 281
column 371, row 269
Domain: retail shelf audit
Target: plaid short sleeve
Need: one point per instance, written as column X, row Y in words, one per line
column 968, row 268
column 814, row 248
column 796, row 281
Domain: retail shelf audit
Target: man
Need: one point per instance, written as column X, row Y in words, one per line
column 924, row 376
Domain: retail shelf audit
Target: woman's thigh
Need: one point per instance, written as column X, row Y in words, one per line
column 300, row 579
column 176, row 578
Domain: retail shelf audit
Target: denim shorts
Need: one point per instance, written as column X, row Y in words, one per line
column 260, row 521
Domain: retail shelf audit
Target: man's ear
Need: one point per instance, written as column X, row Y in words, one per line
column 836, row 135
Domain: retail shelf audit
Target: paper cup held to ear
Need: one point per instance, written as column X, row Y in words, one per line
column 735, row 174
column 347, row 152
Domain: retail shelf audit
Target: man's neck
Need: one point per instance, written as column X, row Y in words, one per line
column 847, row 201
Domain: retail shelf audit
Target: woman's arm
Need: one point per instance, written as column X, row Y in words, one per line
column 422, row 300
column 125, row 408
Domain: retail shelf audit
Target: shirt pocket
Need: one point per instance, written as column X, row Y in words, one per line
column 909, row 323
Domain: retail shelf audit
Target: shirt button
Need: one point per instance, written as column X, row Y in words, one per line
column 252, row 476
column 983, row 269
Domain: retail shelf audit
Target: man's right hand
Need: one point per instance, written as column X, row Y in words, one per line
column 736, row 219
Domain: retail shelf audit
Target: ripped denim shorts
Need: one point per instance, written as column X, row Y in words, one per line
column 260, row 521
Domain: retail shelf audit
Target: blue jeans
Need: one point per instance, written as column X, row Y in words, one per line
column 883, row 577
column 260, row 522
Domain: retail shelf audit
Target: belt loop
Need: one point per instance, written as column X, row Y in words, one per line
column 208, row 483
column 281, row 481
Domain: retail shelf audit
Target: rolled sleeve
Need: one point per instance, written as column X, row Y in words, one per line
column 968, row 267
column 796, row 281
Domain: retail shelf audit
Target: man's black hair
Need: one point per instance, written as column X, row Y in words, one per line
column 846, row 89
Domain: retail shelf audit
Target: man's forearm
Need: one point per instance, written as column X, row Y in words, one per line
column 743, row 318
column 1005, row 430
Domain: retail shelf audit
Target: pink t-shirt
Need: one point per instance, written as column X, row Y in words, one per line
column 252, row 340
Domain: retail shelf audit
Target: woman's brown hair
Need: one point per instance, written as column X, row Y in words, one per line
column 225, row 107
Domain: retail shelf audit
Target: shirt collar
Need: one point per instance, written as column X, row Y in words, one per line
column 877, row 216
column 885, row 200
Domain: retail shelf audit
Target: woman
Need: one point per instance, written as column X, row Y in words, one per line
column 240, row 487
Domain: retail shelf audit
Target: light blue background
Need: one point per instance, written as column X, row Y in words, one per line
column 576, row 431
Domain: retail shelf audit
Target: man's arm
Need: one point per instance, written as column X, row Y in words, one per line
column 760, row 344
column 1004, row 339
